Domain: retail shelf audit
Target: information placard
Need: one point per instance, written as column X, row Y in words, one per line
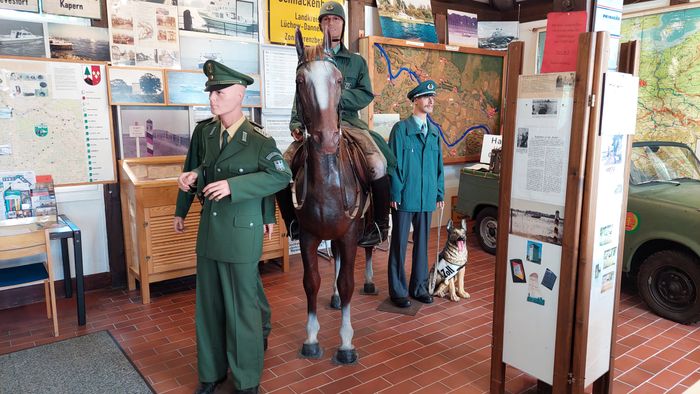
column 55, row 120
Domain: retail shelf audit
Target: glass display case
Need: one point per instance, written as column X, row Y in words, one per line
column 154, row 251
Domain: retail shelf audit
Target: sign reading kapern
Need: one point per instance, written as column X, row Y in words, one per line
column 287, row 15
column 20, row 5
column 80, row 8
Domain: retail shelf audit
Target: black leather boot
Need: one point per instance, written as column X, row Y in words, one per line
column 380, row 206
column 284, row 202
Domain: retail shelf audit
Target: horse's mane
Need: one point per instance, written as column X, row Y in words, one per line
column 314, row 53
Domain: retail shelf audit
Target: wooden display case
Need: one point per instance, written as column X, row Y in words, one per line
column 154, row 251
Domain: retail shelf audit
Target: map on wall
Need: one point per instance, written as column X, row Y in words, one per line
column 55, row 120
column 669, row 92
column 468, row 99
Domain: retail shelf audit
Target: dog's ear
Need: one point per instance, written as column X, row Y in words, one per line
column 464, row 224
column 449, row 226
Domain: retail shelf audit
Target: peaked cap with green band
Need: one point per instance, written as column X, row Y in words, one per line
column 425, row 88
column 331, row 8
column 220, row 76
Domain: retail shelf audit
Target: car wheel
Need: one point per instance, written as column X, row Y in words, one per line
column 486, row 229
column 669, row 281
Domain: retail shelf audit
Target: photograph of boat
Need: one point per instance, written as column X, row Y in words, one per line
column 228, row 17
column 20, row 38
column 497, row 35
column 407, row 19
column 196, row 49
column 56, row 44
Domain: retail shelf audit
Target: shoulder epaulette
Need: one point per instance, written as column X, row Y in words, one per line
column 259, row 129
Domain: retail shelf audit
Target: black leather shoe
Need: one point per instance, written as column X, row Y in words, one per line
column 401, row 302
column 252, row 390
column 371, row 238
column 207, row 387
column 424, row 298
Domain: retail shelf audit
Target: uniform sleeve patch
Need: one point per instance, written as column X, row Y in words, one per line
column 272, row 154
column 279, row 165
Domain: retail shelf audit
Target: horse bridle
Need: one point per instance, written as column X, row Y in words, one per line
column 298, row 204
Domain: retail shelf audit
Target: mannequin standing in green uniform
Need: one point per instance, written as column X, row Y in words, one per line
column 356, row 95
column 195, row 156
column 239, row 168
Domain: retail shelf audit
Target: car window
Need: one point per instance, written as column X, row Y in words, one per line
column 663, row 163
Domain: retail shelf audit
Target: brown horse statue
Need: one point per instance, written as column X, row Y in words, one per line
column 327, row 191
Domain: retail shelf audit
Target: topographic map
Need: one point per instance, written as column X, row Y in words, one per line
column 669, row 77
column 468, row 97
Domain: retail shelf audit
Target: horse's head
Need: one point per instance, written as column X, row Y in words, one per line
column 319, row 85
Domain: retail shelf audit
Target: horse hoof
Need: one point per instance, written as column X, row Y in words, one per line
column 335, row 302
column 311, row 350
column 345, row 357
column 369, row 288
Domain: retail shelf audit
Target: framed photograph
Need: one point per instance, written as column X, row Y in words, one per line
column 153, row 131
column 462, row 29
column 78, row 42
column 20, row 38
column 497, row 35
column 186, row 88
column 195, row 49
column 237, row 18
column 413, row 21
column 136, row 86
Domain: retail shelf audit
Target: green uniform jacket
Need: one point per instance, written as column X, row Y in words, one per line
column 419, row 182
column 195, row 156
column 357, row 89
column 230, row 230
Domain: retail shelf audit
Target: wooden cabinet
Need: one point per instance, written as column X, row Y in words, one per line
column 154, row 251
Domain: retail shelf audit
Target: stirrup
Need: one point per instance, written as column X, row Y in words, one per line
column 293, row 230
column 371, row 238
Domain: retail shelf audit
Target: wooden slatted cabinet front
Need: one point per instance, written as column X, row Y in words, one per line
column 154, row 251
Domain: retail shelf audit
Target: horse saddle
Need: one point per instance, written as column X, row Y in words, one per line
column 349, row 149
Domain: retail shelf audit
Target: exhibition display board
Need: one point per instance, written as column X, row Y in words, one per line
column 562, row 197
column 469, row 92
column 55, row 118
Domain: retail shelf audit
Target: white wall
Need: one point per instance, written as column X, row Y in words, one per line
column 84, row 205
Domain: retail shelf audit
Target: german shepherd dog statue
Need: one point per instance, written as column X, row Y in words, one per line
column 451, row 265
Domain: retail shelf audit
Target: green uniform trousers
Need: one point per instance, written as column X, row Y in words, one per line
column 229, row 320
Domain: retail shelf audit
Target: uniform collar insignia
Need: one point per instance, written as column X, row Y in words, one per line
column 244, row 136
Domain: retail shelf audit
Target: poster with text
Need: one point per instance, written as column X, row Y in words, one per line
column 20, row 5
column 280, row 77
column 78, row 8
column 286, row 16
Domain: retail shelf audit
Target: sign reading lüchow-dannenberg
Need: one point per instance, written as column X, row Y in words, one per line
column 79, row 8
column 20, row 5
column 287, row 15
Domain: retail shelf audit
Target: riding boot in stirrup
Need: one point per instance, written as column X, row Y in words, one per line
column 380, row 206
column 284, row 202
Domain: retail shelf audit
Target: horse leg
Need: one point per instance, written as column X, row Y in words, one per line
column 312, row 282
column 369, row 274
column 335, row 298
column 346, row 353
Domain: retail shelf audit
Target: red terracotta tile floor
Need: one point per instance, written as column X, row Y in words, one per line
column 445, row 348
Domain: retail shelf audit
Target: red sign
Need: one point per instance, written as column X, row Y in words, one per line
column 561, row 42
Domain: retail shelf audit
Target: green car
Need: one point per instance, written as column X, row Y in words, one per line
column 662, row 240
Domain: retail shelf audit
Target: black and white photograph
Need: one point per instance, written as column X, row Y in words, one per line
column 521, row 138
column 544, row 107
column 237, row 18
column 154, row 131
column 76, row 42
column 543, row 222
column 136, row 86
column 18, row 38
column 196, row 50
